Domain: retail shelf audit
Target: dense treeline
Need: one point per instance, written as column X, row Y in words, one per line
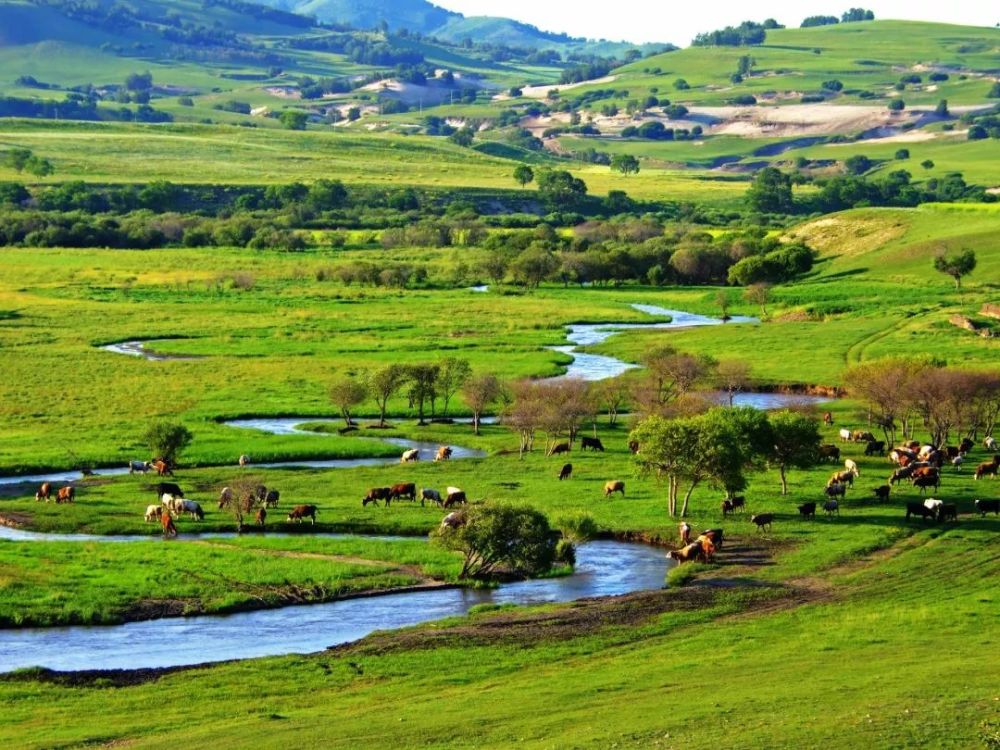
column 746, row 34
column 77, row 107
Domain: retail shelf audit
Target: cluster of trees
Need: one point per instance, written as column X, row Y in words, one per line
column 746, row 34
column 23, row 160
column 424, row 384
column 77, row 107
column 657, row 131
column 902, row 394
column 850, row 16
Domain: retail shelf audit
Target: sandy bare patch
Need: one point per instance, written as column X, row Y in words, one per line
column 540, row 92
column 848, row 236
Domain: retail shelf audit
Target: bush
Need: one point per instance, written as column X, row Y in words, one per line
column 576, row 527
column 167, row 441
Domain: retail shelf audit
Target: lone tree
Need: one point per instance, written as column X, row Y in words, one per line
column 167, row 441
column 496, row 536
column 524, row 175
column 625, row 164
column 796, row 443
column 957, row 264
column 346, row 393
column 453, row 374
column 771, row 192
column 383, row 384
column 479, row 393
column 759, row 294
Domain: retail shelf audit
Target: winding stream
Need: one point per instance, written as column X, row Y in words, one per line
column 604, row 568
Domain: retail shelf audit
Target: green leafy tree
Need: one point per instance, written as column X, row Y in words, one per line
column 293, row 119
column 625, row 164
column 346, row 393
column 896, row 105
column 167, row 440
column 796, row 443
column 452, row 376
column 534, row 265
column 560, row 188
column 495, row 536
column 383, row 384
column 422, row 379
column 957, row 264
column 524, row 175
column 942, row 109
column 771, row 192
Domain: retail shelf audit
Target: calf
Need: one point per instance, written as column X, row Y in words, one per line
column 932, row 504
column 244, row 460
column 762, row 520
column 918, row 509
column 707, row 547
column 828, row 419
column 831, row 507
column 611, row 488
column 860, row 436
column 882, row 493
column 375, row 494
column 589, row 443
column 957, row 462
column 406, row 490
column 807, row 510
column 852, row 467
column 44, row 492
column 566, row 472
column 271, row 499
column 453, row 520
column 559, row 449
column 431, row 496
column 875, row 448
column 66, row 494
column 948, row 512
column 302, row 511
column 987, row 506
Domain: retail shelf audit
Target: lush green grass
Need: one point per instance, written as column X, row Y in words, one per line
column 66, row 582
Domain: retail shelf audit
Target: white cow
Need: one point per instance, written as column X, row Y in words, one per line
column 410, row 456
column 852, row 467
column 990, row 443
column 846, row 435
column 244, row 460
column 173, row 504
column 932, row 504
column 152, row 513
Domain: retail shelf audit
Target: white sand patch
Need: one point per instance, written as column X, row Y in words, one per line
column 540, row 92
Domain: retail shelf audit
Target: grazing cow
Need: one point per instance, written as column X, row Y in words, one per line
column 453, row 520
column 685, row 531
column 167, row 524
column 829, row 452
column 918, row 509
column 431, row 496
column 593, row 444
column 152, row 512
column 261, row 517
column 988, row 468
column 860, row 436
column 174, row 505
column 924, row 471
column 139, row 467
column 375, row 494
column 727, row 507
column 559, row 449
column 875, row 448
column 66, row 494
column 443, row 453
column 455, row 497
column 966, row 445
column 842, row 477
column 191, row 508
column 715, row 535
column 948, row 512
column 407, row 490
column 852, row 467
column 808, row 510
column 913, row 446
column 225, row 497
column 952, row 452
column 259, row 494
column 168, row 488
column 831, row 507
column 611, row 488
column 761, row 520
column 846, row 435
column 990, row 443
column 707, row 547
column 957, row 462
column 934, row 505
column 244, row 460
column 900, row 474
column 882, row 493
column 44, row 492
column 271, row 499
column 162, row 468
column 835, row 490
column 987, row 506
column 924, row 483
column 633, row 447
column 566, row 472
column 302, row 511
column 691, row 553
column 739, row 502
column 828, row 419
column 410, row 456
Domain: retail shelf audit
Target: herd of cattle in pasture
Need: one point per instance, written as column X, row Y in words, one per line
column 919, row 464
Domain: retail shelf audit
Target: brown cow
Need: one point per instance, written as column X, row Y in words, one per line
column 302, row 511
column 167, row 523
column 828, row 419
column 375, row 494
column 691, row 553
column 566, row 472
column 633, row 446
column 162, row 468
column 44, row 492
column 559, row 449
column 829, row 453
column 707, row 547
column 261, row 517
column 611, row 488
column 443, row 453
column 400, row 491
column 66, row 494
column 455, row 497
column 988, row 468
